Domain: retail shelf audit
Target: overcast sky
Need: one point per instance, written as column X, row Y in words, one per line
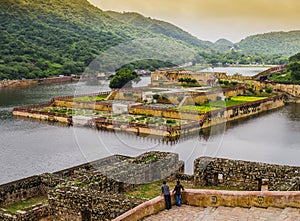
column 214, row 19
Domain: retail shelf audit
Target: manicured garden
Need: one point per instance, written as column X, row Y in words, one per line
column 100, row 97
column 214, row 105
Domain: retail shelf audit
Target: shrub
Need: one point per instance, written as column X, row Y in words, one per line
column 170, row 121
column 269, row 90
column 155, row 96
column 251, row 90
column 180, row 98
column 225, row 82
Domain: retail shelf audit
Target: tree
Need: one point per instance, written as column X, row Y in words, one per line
column 294, row 68
column 124, row 78
column 295, row 58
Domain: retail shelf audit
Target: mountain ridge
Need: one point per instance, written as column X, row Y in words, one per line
column 48, row 38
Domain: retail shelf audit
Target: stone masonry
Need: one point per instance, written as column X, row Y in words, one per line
column 244, row 175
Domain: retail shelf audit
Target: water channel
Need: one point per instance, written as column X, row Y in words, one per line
column 33, row 147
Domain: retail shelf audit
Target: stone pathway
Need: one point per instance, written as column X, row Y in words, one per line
column 190, row 213
column 182, row 213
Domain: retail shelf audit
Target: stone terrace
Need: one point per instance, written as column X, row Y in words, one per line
column 188, row 213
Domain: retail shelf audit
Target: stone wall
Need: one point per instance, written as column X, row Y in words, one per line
column 21, row 190
column 17, row 83
column 243, row 110
column 244, row 175
column 171, row 77
column 216, row 198
column 89, row 203
column 96, row 194
column 246, row 199
column 145, row 209
column 34, row 213
column 292, row 89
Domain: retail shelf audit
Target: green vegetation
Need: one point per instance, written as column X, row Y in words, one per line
column 161, row 28
column 214, row 105
column 247, row 98
column 101, row 97
column 234, row 57
column 24, row 205
column 151, row 190
column 147, row 64
column 49, row 38
column 187, row 80
column 124, row 78
column 200, row 109
column 292, row 72
column 273, row 43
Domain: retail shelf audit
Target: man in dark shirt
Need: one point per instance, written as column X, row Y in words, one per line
column 177, row 191
column 166, row 192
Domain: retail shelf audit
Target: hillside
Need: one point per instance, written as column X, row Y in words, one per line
column 273, row 43
column 45, row 38
column 161, row 28
column 223, row 45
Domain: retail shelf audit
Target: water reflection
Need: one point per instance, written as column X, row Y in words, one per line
column 32, row 147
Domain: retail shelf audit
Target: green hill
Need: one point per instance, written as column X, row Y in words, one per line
column 161, row 28
column 45, row 38
column 273, row 43
column 223, row 45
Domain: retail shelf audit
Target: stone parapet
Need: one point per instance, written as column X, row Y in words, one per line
column 244, row 175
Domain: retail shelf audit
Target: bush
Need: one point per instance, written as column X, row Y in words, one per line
column 269, row 90
column 180, row 98
column 251, row 90
column 155, row 96
column 170, row 121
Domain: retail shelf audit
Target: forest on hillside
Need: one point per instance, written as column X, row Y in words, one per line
column 63, row 37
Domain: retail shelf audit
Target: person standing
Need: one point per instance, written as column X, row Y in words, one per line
column 177, row 191
column 165, row 190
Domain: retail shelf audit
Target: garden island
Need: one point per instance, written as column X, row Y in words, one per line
column 175, row 104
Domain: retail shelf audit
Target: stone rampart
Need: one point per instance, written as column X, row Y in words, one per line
column 216, row 198
column 247, row 199
column 244, row 175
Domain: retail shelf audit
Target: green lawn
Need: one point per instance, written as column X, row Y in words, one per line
column 214, row 105
column 151, row 190
column 101, row 97
column 24, row 205
column 247, row 98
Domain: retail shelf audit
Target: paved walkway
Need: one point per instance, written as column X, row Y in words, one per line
column 190, row 213
column 182, row 213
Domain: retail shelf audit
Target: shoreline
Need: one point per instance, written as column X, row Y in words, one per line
column 31, row 82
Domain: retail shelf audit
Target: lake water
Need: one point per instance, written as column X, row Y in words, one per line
column 33, row 147
column 245, row 71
